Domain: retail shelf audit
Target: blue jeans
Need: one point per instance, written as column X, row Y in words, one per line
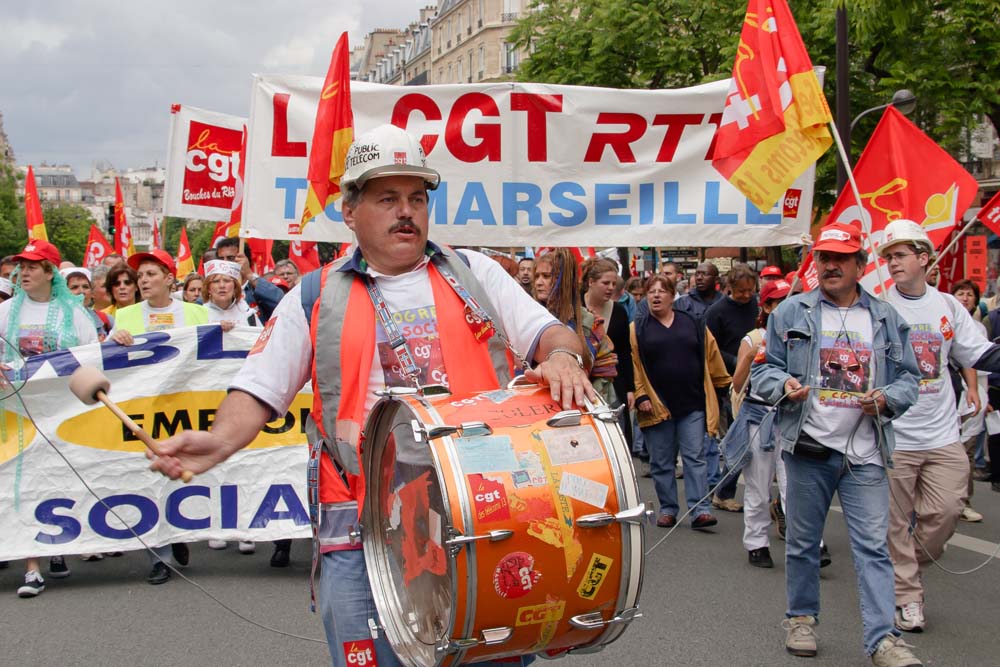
column 712, row 457
column 662, row 442
column 638, row 440
column 981, row 450
column 346, row 604
column 864, row 497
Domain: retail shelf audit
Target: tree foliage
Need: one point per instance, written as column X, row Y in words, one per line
column 946, row 52
column 68, row 227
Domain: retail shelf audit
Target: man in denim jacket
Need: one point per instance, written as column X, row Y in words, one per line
column 838, row 361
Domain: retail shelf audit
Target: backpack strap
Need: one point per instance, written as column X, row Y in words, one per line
column 309, row 286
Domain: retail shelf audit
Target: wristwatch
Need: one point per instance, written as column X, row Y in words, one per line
column 577, row 357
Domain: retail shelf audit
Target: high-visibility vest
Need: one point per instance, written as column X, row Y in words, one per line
column 342, row 331
column 130, row 318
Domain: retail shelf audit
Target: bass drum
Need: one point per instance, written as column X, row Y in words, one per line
column 496, row 525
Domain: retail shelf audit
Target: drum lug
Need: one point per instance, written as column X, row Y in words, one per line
column 354, row 535
column 520, row 381
column 595, row 619
column 606, row 414
column 465, row 429
column 565, row 418
column 374, row 628
column 457, row 540
column 393, row 392
column 488, row 637
column 634, row 515
column 434, row 390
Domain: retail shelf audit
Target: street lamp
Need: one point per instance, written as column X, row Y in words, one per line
column 904, row 100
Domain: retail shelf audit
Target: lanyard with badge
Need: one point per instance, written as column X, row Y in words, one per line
column 479, row 321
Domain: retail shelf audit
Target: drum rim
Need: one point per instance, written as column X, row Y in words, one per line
column 374, row 548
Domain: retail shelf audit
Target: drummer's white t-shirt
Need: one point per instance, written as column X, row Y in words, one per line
column 280, row 362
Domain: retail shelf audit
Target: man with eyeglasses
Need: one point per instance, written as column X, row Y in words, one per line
column 838, row 365
column 929, row 480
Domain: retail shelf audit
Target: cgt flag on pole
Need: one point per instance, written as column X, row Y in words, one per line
column 304, row 255
column 903, row 174
column 33, row 209
column 124, row 245
column 332, row 136
column 157, row 241
column 774, row 122
column 97, row 248
column 185, row 262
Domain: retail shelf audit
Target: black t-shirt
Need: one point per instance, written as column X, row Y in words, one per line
column 729, row 322
column 675, row 364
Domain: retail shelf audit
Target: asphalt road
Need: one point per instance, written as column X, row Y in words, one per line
column 703, row 605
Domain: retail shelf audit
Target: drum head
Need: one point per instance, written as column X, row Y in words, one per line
column 405, row 518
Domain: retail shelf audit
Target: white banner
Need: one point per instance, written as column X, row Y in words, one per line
column 169, row 381
column 529, row 164
column 203, row 156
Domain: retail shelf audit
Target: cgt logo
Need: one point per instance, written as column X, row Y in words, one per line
column 540, row 613
column 594, row 578
column 212, row 164
column 361, row 653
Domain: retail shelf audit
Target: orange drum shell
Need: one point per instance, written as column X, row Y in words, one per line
column 550, row 569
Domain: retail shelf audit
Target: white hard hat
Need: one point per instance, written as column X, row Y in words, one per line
column 905, row 231
column 386, row 151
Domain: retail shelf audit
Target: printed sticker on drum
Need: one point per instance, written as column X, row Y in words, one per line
column 489, row 498
column 572, row 445
column 540, row 613
column 532, row 472
column 360, row 653
column 583, row 489
column 498, row 396
column 491, row 453
column 594, row 577
column 515, row 575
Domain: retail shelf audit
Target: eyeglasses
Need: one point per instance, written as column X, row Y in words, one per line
column 123, row 283
column 899, row 256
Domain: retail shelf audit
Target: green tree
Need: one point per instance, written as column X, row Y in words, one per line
column 13, row 233
column 946, row 52
column 68, row 227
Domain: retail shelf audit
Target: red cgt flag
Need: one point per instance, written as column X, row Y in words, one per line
column 97, row 248
column 773, row 126
column 231, row 229
column 332, row 136
column 262, row 259
column 33, row 209
column 989, row 214
column 157, row 241
column 304, row 255
column 124, row 245
column 185, row 262
column 903, row 174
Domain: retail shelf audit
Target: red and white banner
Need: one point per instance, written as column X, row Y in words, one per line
column 528, row 165
column 97, row 248
column 203, row 156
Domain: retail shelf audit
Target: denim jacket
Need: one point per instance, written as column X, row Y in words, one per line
column 793, row 339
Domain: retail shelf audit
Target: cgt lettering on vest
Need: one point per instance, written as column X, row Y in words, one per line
column 190, row 507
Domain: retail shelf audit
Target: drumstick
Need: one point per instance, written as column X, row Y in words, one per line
column 90, row 386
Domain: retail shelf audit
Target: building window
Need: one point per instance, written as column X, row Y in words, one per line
column 460, row 78
column 451, row 74
column 482, row 12
column 511, row 58
column 482, row 61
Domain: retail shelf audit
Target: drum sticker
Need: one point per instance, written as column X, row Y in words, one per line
column 548, row 627
column 489, row 498
column 572, row 445
column 486, row 454
column 532, row 507
column 500, row 395
column 594, row 577
column 537, row 614
column 583, row 489
column 394, row 515
column 566, row 537
column 422, row 551
column 360, row 653
column 515, row 575
column 532, row 472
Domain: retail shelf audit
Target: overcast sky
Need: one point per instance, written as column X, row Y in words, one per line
column 87, row 81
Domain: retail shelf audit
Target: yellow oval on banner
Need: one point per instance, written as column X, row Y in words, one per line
column 15, row 432
column 168, row 414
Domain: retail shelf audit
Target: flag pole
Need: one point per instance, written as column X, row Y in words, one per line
column 865, row 225
column 951, row 245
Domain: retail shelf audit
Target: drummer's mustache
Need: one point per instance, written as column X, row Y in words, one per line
column 833, row 273
column 400, row 225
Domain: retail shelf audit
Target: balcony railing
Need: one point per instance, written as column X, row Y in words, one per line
column 508, row 17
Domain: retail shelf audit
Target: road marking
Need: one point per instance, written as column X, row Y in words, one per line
column 958, row 540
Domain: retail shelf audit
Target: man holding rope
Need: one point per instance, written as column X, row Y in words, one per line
column 395, row 269
column 839, row 367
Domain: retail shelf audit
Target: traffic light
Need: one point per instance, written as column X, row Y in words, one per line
column 111, row 221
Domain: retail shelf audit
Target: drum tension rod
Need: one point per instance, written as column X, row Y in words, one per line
column 465, row 429
column 457, row 540
column 573, row 417
column 635, row 515
column 595, row 619
column 488, row 637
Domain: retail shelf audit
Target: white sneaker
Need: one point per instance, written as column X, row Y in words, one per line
column 894, row 652
column 970, row 515
column 217, row 544
column 33, row 585
column 910, row 617
column 247, row 547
